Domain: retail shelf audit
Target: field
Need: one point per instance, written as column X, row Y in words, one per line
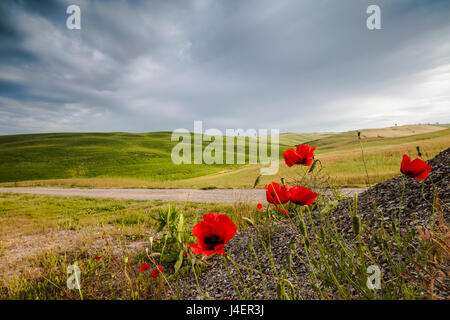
column 99, row 160
column 39, row 235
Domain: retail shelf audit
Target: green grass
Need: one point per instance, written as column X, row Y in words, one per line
column 143, row 157
column 143, row 160
column 33, row 214
column 89, row 155
column 340, row 155
column 41, row 235
column 134, row 159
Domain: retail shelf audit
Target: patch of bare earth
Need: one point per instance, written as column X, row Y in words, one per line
column 17, row 251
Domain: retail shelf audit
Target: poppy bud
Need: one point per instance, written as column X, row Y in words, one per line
column 303, row 228
column 418, row 151
column 356, row 224
column 256, row 181
column 307, row 243
column 293, row 246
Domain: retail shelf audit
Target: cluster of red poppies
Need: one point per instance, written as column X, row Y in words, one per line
column 144, row 266
column 155, row 273
column 217, row 229
column 281, row 194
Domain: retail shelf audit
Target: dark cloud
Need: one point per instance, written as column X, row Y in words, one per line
column 159, row 65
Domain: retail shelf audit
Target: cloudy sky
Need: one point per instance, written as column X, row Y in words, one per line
column 296, row 65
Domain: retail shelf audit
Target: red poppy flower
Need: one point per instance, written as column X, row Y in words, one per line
column 285, row 211
column 302, row 196
column 98, row 257
column 212, row 234
column 157, row 271
column 276, row 193
column 144, row 267
column 417, row 168
column 303, row 154
column 185, row 254
column 260, row 207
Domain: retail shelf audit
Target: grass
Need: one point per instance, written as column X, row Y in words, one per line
column 340, row 154
column 119, row 232
column 41, row 235
column 96, row 160
column 34, row 214
column 144, row 157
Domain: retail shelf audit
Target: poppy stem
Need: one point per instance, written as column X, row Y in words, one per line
column 133, row 295
column 261, row 273
column 364, row 160
column 401, row 202
column 231, row 277
column 196, row 281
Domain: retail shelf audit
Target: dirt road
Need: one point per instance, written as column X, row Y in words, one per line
column 194, row 195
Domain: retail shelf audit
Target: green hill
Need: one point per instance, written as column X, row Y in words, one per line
column 145, row 156
column 144, row 160
column 87, row 155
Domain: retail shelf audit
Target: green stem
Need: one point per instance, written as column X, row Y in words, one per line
column 401, row 203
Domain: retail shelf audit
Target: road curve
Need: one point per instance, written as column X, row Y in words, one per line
column 194, row 195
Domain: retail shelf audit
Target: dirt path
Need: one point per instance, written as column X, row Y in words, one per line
column 194, row 195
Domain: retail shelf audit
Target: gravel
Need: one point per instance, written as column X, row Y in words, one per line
column 383, row 200
column 374, row 205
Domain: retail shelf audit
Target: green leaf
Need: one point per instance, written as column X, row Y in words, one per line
column 161, row 226
column 249, row 221
column 179, row 261
column 180, row 228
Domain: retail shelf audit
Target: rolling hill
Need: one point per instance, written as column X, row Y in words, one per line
column 143, row 160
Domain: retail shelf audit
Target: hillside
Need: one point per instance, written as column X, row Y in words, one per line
column 143, row 156
column 107, row 156
column 143, row 160
column 340, row 155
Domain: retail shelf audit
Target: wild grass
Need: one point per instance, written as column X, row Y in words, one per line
column 126, row 233
column 41, row 236
column 386, row 259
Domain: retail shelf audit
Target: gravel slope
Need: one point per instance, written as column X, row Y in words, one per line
column 384, row 197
